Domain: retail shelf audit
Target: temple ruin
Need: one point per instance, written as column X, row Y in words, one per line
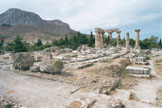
column 100, row 38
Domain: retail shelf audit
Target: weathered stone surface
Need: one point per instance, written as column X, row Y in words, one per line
column 116, row 103
column 99, row 38
column 137, row 46
column 127, row 41
column 53, row 66
column 23, row 61
column 137, row 70
column 118, row 38
column 140, row 59
column 6, row 102
column 75, row 104
column 34, row 69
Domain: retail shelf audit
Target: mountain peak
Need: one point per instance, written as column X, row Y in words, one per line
column 14, row 16
column 26, row 24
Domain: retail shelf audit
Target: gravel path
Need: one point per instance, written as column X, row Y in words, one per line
column 35, row 92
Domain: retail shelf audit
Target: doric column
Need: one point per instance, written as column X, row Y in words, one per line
column 97, row 37
column 102, row 38
column 127, row 40
column 118, row 38
column 110, row 38
column 137, row 38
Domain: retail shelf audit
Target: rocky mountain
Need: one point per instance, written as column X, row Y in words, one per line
column 31, row 26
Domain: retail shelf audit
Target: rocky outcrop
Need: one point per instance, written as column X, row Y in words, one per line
column 18, row 22
column 23, row 61
column 16, row 16
column 53, row 66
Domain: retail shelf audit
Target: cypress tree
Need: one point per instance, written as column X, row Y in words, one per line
column 160, row 42
column 66, row 40
column 91, row 39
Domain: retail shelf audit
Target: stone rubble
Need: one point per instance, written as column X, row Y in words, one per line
column 6, row 102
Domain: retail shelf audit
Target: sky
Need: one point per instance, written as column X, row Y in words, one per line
column 86, row 15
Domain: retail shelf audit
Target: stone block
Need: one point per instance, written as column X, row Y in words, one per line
column 138, row 70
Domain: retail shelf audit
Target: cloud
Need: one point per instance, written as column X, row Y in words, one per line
column 88, row 14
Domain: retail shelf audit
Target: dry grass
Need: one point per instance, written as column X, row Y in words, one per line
column 158, row 66
column 159, row 97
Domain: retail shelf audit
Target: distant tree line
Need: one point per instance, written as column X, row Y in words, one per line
column 73, row 41
column 6, row 25
column 151, row 42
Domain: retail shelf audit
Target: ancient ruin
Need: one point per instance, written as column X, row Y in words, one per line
column 127, row 41
column 137, row 38
column 100, row 38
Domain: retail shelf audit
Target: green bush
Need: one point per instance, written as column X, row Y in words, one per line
column 17, row 45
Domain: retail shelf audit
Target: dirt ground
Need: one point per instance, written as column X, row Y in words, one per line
column 40, row 90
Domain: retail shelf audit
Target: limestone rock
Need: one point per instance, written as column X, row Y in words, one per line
column 138, row 70
column 23, row 61
column 75, row 104
column 34, row 69
column 116, row 103
column 53, row 66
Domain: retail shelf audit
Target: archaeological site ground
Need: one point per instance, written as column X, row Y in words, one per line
column 81, row 54
column 105, row 76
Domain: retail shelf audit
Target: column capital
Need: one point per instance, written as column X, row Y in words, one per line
column 137, row 30
column 99, row 30
column 127, row 33
column 118, row 32
column 110, row 32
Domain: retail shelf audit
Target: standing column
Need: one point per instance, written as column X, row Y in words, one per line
column 102, row 39
column 110, row 38
column 127, row 40
column 97, row 38
column 118, row 38
column 137, row 38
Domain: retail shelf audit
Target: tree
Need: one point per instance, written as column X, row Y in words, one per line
column 132, row 42
column 39, row 43
column 1, row 43
column 62, row 42
column 74, row 43
column 149, row 43
column 160, row 42
column 55, row 42
column 66, row 39
column 107, row 40
column 17, row 45
column 91, row 40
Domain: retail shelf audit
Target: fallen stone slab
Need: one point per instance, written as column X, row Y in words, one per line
column 135, row 70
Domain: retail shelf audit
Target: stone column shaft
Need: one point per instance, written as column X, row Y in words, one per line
column 96, row 39
column 110, row 38
column 102, row 39
column 99, row 38
column 118, row 38
column 137, row 38
column 127, row 40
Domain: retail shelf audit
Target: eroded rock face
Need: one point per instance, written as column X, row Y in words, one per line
column 23, row 61
column 53, row 66
column 34, row 69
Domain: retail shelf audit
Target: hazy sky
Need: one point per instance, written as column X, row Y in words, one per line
column 85, row 15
